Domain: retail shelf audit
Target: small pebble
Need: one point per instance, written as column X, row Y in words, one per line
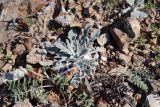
column 153, row 64
column 145, row 52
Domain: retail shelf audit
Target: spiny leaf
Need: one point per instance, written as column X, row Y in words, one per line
column 136, row 80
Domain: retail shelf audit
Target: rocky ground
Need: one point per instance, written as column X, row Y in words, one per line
column 80, row 53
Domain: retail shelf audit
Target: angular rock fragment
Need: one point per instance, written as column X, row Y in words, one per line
column 7, row 13
column 104, row 58
column 36, row 55
column 28, row 43
column 125, row 58
column 3, row 37
column 101, row 50
column 7, row 67
column 155, row 85
column 19, row 49
column 121, row 40
column 103, row 39
column 152, row 101
column 135, row 27
column 125, row 31
column 137, row 60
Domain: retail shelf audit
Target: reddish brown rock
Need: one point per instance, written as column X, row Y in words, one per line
column 125, row 58
column 135, row 26
column 28, row 43
column 121, row 40
column 124, row 32
column 20, row 48
column 7, row 67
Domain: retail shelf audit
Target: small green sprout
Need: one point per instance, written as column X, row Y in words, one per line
column 157, row 57
column 150, row 5
column 141, row 40
column 29, row 67
column 61, row 81
column 27, row 21
column 85, row 100
column 1, row 50
column 154, row 27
